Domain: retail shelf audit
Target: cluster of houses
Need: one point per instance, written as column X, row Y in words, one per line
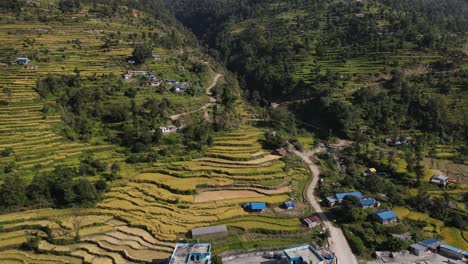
column 188, row 253
column 365, row 202
column 383, row 217
column 261, row 206
column 398, row 141
column 153, row 81
column 429, row 246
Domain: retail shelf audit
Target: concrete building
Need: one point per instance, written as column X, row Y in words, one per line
column 452, row 252
column 418, row 249
column 199, row 253
column 307, row 254
column 209, row 231
column 432, row 244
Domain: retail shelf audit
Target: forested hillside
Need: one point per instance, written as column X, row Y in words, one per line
column 384, row 66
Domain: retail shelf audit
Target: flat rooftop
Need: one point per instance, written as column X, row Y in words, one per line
column 182, row 252
column 306, row 252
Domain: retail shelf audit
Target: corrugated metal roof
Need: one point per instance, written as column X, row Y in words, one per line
column 386, row 215
column 452, row 248
column 430, row 242
column 343, row 195
column 209, row 230
column 258, row 206
column 367, row 202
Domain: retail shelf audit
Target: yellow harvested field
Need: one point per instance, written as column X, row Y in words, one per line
column 184, row 184
column 210, row 196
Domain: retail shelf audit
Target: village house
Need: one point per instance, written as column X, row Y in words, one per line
column 180, row 89
column 311, row 221
column 153, row 83
column 398, row 141
column 369, row 171
column 185, row 253
column 22, row 61
column 338, row 198
column 452, row 252
column 254, row 207
column 157, row 57
column 281, row 151
column 440, row 180
column 386, row 217
column 130, row 74
column 308, row 254
column 172, row 82
column 288, row 205
column 168, row 129
column 369, row 203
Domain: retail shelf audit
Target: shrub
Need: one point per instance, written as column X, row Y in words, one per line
column 6, row 152
column 31, row 244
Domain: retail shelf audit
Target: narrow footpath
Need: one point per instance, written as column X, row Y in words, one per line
column 337, row 241
column 211, row 102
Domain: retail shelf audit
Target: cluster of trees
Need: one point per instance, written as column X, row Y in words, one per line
column 141, row 52
column 84, row 110
column 11, row 5
column 56, row 189
column 69, row 6
column 266, row 54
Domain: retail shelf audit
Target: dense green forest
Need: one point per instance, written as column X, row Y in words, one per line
column 388, row 65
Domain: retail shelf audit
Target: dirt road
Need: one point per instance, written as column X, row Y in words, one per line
column 211, row 102
column 337, row 240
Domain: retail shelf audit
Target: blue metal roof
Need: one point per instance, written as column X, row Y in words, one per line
column 343, row 195
column 430, row 241
column 367, row 202
column 386, row 215
column 452, row 248
column 289, row 204
column 257, row 206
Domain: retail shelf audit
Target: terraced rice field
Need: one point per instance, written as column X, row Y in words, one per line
column 172, row 198
column 155, row 204
column 450, row 235
column 166, row 200
column 23, row 126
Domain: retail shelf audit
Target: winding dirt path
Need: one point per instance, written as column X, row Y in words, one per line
column 211, row 102
column 337, row 241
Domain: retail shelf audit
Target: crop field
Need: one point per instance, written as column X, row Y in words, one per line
column 175, row 197
column 434, row 227
column 166, row 200
column 65, row 48
column 154, row 204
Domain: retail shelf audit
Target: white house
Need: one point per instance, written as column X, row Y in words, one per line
column 168, row 129
column 441, row 180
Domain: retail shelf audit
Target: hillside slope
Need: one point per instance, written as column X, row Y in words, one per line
column 347, row 64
